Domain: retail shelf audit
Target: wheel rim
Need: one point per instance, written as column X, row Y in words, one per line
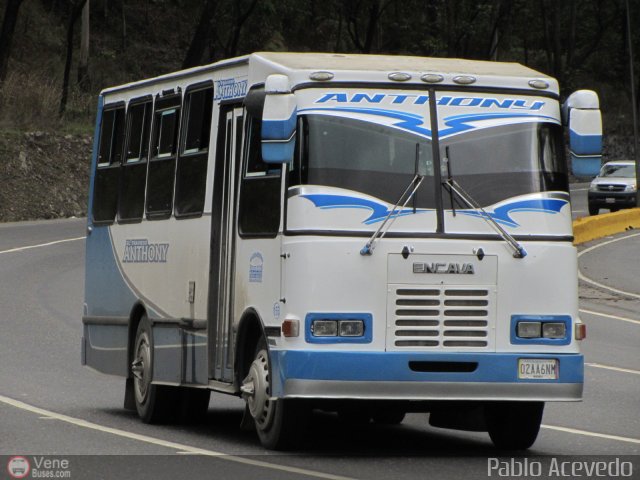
column 256, row 390
column 140, row 368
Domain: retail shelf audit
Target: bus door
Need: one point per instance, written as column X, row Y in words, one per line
column 223, row 234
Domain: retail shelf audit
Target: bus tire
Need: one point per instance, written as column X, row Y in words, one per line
column 154, row 403
column 513, row 425
column 280, row 422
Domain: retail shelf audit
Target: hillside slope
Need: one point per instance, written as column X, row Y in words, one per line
column 43, row 175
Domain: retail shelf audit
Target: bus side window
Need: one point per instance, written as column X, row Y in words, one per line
column 134, row 170
column 259, row 211
column 105, row 190
column 191, row 176
column 162, row 165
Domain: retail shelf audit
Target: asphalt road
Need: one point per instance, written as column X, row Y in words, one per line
column 51, row 405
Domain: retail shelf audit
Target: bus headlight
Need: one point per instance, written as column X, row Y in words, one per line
column 338, row 327
column 541, row 329
column 351, row 328
column 529, row 329
column 333, row 328
column 324, row 328
column 554, row 330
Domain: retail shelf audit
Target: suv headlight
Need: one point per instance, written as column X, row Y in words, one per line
column 630, row 188
column 593, row 187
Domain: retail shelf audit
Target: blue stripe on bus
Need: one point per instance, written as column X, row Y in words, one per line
column 394, row 366
column 585, row 166
column 585, row 144
column 278, row 152
column 94, row 159
column 106, row 292
column 279, row 129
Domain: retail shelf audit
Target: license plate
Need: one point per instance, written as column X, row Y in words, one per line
column 610, row 200
column 538, row 368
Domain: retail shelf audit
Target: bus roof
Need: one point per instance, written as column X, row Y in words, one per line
column 391, row 63
column 375, row 69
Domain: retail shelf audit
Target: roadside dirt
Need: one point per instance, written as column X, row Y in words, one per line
column 43, row 175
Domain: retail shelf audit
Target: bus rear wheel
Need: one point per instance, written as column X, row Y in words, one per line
column 153, row 402
column 513, row 425
column 278, row 422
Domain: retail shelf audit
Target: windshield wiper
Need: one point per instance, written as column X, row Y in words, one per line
column 452, row 186
column 407, row 195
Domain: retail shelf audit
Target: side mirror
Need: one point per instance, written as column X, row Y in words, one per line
column 581, row 112
column 278, row 120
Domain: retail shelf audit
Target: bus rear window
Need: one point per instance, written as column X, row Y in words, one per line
column 107, row 176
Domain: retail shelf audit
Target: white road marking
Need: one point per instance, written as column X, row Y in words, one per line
column 183, row 449
column 606, row 315
column 586, row 279
column 606, row 287
column 591, row 434
column 29, row 247
column 178, row 447
column 616, row 369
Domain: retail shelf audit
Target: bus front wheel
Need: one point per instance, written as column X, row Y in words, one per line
column 513, row 425
column 153, row 402
column 278, row 422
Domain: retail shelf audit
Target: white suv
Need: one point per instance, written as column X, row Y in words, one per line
column 614, row 187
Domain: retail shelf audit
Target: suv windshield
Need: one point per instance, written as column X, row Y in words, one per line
column 492, row 164
column 618, row 171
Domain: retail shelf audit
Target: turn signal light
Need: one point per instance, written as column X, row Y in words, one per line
column 581, row 331
column 290, row 328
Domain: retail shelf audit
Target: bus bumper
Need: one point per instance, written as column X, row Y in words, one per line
column 402, row 376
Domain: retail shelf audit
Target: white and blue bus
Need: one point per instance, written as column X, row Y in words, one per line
column 370, row 235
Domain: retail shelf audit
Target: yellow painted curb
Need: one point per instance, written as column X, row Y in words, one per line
column 586, row 229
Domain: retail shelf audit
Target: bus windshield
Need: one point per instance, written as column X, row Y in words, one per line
column 492, row 164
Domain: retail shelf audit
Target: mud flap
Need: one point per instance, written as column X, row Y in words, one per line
column 129, row 399
column 247, row 423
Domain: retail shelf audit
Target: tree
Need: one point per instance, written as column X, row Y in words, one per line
column 240, row 17
column 83, row 64
column 76, row 10
column 374, row 12
column 6, row 34
column 201, row 37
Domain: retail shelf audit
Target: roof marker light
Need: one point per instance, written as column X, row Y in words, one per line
column 399, row 76
column 539, row 84
column 464, row 79
column 321, row 76
column 432, row 78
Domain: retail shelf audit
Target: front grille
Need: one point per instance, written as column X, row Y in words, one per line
column 440, row 318
column 610, row 187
